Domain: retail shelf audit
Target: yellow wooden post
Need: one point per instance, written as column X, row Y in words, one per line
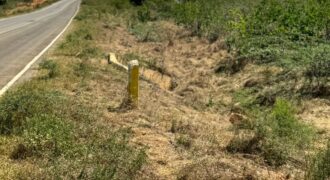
column 133, row 83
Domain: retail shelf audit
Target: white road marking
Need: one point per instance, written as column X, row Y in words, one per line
column 28, row 66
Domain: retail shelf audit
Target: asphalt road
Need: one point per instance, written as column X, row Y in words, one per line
column 23, row 37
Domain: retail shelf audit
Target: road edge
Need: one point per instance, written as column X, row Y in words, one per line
column 28, row 66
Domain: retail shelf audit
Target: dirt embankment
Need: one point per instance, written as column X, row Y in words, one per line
column 185, row 121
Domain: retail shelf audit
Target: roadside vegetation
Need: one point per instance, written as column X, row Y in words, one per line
column 319, row 167
column 13, row 7
column 60, row 136
column 243, row 74
column 270, row 131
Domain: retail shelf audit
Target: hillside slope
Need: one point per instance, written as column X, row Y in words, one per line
column 209, row 108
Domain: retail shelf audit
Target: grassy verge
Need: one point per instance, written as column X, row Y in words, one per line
column 54, row 132
column 58, row 135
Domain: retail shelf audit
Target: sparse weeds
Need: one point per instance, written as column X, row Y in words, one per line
column 184, row 133
column 52, row 68
column 319, row 165
column 132, row 56
column 153, row 64
column 181, row 127
column 246, row 98
column 119, row 160
column 184, row 141
column 83, row 69
column 79, row 44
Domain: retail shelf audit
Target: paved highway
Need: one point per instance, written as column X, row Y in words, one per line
column 23, row 37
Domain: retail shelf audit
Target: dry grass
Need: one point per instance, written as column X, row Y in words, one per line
column 188, row 127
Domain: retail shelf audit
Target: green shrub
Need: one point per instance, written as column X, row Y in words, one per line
column 319, row 166
column 144, row 14
column 26, row 101
column 52, row 67
column 202, row 18
column 47, row 134
column 278, row 135
column 283, row 136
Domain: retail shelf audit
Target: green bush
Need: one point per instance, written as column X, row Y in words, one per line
column 144, row 14
column 278, row 135
column 52, row 67
column 26, row 101
column 202, row 18
column 283, row 136
column 319, row 166
column 47, row 134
